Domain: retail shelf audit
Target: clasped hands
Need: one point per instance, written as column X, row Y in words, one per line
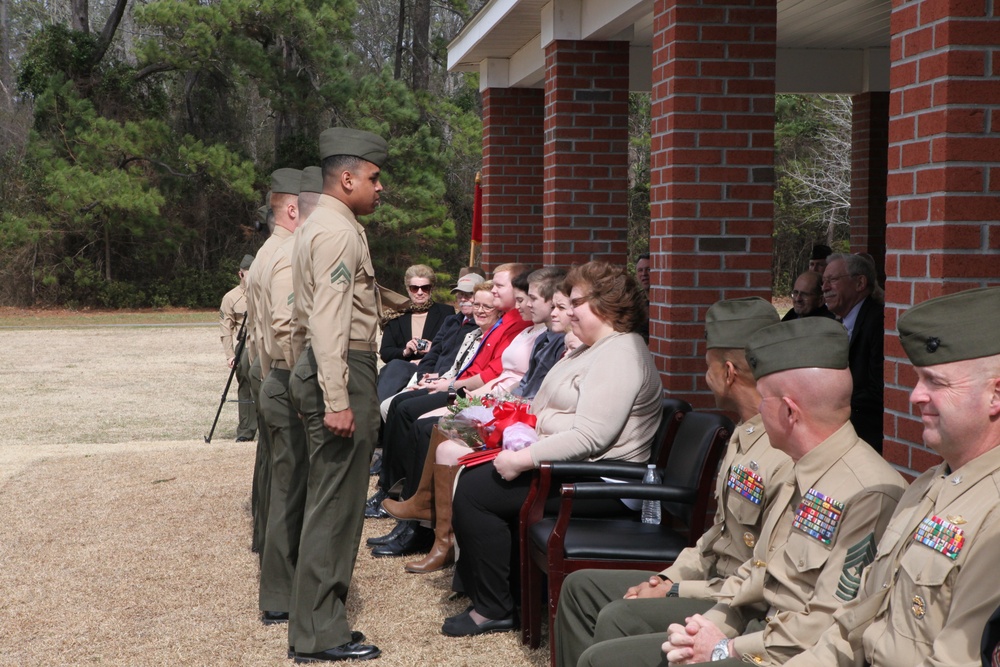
column 692, row 643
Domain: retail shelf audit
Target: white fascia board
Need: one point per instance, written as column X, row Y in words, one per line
column 477, row 29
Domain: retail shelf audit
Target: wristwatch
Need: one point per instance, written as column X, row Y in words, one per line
column 721, row 651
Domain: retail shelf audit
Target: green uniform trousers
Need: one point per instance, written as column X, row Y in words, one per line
column 335, row 500
column 261, row 468
column 596, row 624
column 289, row 469
column 248, row 410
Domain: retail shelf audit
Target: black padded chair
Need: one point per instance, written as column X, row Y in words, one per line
column 533, row 508
column 558, row 545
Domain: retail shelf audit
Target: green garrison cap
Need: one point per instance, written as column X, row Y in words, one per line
column 312, row 180
column 247, row 261
column 729, row 323
column 286, row 181
column 262, row 212
column 345, row 141
column 806, row 342
column 952, row 328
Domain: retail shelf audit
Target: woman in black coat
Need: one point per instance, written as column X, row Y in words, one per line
column 408, row 335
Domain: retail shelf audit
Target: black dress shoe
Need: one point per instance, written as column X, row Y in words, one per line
column 348, row 651
column 463, row 626
column 373, row 506
column 452, row 618
column 376, row 467
column 273, row 617
column 243, row 439
column 413, row 539
column 390, row 536
column 356, row 637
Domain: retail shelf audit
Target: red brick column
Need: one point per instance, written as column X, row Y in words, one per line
column 869, row 151
column 712, row 199
column 586, row 152
column 512, row 176
column 943, row 214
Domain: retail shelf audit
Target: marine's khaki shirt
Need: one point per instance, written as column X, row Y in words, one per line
column 254, row 281
column 925, row 601
column 231, row 313
column 750, row 475
column 276, row 301
column 334, row 285
column 812, row 550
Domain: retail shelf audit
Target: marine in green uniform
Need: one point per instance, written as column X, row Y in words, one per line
column 333, row 387
column 289, row 464
column 598, row 604
column 932, row 587
column 284, row 211
column 232, row 312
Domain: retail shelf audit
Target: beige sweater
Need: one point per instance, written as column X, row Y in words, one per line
column 599, row 402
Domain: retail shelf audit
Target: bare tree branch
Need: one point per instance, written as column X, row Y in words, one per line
column 110, row 28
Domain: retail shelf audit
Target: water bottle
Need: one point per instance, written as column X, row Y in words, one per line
column 651, row 508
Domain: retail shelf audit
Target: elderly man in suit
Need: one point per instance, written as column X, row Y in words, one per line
column 848, row 289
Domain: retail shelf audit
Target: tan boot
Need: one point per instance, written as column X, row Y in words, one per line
column 419, row 506
column 443, row 552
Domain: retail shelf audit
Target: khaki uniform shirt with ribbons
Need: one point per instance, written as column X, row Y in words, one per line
column 276, row 300
column 255, row 280
column 750, row 475
column 231, row 312
column 335, row 300
column 813, row 547
column 933, row 585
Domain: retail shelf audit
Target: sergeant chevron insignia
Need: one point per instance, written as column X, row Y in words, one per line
column 291, row 298
column 340, row 278
column 858, row 558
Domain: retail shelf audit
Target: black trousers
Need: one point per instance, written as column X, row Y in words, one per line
column 393, row 377
column 399, row 435
column 484, row 517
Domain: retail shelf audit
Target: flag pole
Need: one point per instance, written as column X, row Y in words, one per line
column 477, row 219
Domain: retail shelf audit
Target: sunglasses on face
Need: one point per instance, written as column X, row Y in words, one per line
column 419, row 288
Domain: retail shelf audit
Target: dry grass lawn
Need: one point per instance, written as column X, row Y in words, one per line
column 125, row 537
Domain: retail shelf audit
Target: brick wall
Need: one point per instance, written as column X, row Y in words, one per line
column 712, row 173
column 586, row 152
column 512, row 176
column 869, row 151
column 943, row 212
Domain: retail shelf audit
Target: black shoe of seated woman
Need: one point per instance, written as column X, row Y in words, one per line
column 373, row 506
column 376, row 466
column 464, row 625
column 388, row 537
column 413, row 539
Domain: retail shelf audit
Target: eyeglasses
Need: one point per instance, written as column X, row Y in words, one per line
column 420, row 288
column 833, row 279
column 462, row 296
column 482, row 307
column 579, row 301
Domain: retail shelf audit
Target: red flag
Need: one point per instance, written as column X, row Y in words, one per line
column 477, row 211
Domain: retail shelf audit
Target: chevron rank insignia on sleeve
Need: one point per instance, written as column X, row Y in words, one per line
column 340, row 278
column 858, row 558
column 291, row 298
column 818, row 516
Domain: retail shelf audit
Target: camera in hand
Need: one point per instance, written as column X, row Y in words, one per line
column 423, row 344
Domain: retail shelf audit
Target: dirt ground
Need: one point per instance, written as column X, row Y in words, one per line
column 125, row 538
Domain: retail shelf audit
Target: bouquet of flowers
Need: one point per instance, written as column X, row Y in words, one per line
column 489, row 424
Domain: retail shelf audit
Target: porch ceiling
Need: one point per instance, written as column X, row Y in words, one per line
column 823, row 45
